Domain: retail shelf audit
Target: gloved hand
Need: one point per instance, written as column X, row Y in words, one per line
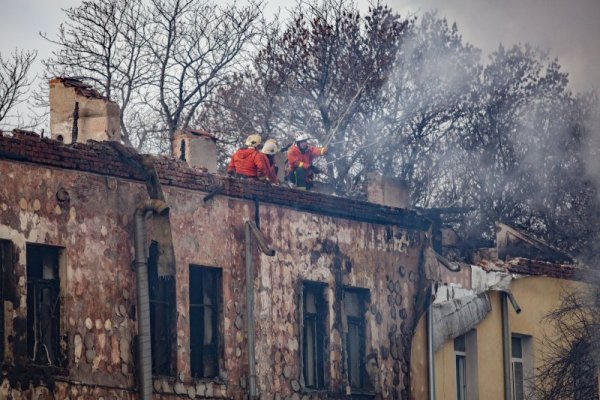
column 315, row 170
column 325, row 150
column 230, row 172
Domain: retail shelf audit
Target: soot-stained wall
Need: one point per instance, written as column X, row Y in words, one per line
column 89, row 216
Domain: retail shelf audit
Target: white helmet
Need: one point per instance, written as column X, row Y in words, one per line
column 301, row 136
column 253, row 141
column 270, row 147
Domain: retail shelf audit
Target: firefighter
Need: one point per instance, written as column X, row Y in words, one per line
column 269, row 149
column 248, row 162
column 300, row 158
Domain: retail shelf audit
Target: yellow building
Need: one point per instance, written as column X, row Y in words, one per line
column 489, row 326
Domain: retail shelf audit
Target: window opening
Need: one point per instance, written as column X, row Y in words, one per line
column 517, row 368
column 354, row 306
column 205, row 301
column 460, row 355
column 6, row 262
column 162, row 304
column 43, row 304
column 182, row 150
column 315, row 311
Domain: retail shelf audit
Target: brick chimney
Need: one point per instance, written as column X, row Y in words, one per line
column 196, row 147
column 387, row 191
column 79, row 113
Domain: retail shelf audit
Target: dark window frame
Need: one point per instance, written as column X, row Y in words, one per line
column 360, row 323
column 162, row 303
column 44, row 300
column 6, row 260
column 202, row 355
column 318, row 321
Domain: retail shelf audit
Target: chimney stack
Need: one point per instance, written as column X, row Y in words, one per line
column 79, row 113
column 196, row 147
column 387, row 191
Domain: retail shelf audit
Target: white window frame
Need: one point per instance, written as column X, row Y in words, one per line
column 526, row 361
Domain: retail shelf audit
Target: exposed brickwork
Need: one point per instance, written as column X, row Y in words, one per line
column 525, row 266
column 103, row 158
column 82, row 198
column 561, row 271
column 93, row 157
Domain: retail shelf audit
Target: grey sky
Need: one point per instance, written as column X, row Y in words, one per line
column 568, row 29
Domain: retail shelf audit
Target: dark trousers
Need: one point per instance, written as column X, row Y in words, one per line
column 301, row 178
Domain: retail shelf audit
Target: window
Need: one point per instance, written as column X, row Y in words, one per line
column 521, row 366
column 43, row 304
column 465, row 357
column 354, row 307
column 517, row 367
column 460, row 353
column 6, row 263
column 162, row 321
column 313, row 335
column 205, row 303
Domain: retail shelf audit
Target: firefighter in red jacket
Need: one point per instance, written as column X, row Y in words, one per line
column 300, row 158
column 249, row 162
column 270, row 149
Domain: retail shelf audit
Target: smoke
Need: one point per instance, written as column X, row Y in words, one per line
column 568, row 29
column 591, row 145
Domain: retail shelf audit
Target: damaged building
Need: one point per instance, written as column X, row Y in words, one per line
column 489, row 330
column 127, row 276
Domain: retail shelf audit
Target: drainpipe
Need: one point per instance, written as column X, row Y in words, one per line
column 505, row 345
column 250, row 229
column 143, row 210
column 505, row 297
column 430, row 351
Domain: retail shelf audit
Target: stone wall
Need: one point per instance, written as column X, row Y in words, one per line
column 57, row 195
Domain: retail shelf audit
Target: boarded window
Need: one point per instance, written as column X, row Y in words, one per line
column 354, row 307
column 313, row 339
column 162, row 321
column 43, row 304
column 205, row 304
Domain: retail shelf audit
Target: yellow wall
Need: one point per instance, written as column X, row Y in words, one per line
column 418, row 362
column 537, row 296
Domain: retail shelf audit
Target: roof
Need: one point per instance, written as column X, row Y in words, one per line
column 197, row 132
column 525, row 266
column 114, row 159
column 511, row 243
column 81, row 88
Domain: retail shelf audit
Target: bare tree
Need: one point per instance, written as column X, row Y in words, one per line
column 104, row 44
column 160, row 60
column 14, row 80
column 570, row 355
column 196, row 45
column 319, row 71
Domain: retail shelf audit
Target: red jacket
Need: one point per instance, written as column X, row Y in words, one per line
column 249, row 162
column 272, row 173
column 298, row 159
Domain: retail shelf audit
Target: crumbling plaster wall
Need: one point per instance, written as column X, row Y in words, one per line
column 90, row 216
column 98, row 117
column 383, row 259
